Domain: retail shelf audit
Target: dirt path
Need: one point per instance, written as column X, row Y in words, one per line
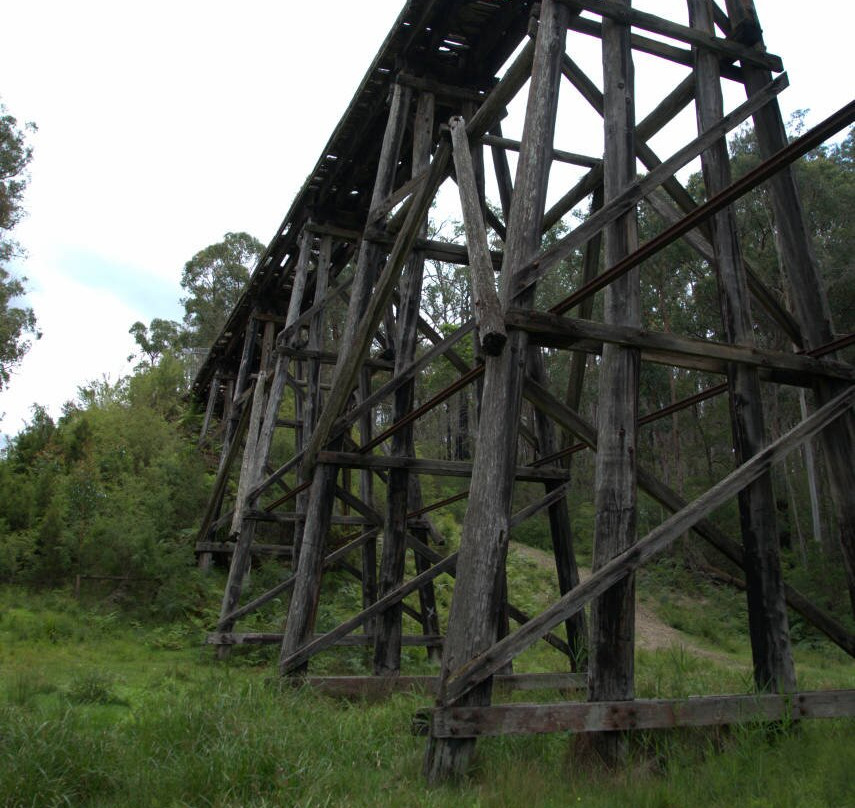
column 651, row 631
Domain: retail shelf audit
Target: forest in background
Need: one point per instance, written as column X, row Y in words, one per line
column 115, row 487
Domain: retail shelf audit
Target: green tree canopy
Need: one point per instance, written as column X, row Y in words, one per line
column 214, row 279
column 156, row 339
column 16, row 322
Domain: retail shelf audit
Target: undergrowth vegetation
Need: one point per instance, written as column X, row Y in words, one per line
column 97, row 710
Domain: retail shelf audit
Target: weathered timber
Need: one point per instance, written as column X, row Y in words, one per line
column 445, row 468
column 441, row 348
column 213, row 395
column 427, row 595
column 576, row 425
column 358, row 209
column 275, row 638
column 287, row 518
column 557, row 154
column 774, row 669
column 377, row 687
column 284, row 586
column 611, row 651
column 503, row 176
column 670, row 106
column 578, row 359
column 475, row 608
column 297, row 660
column 698, row 241
column 357, row 336
column 469, row 675
column 743, row 24
column 358, row 331
column 514, row 613
column 560, row 529
column 355, row 346
column 222, row 479
column 228, row 547
column 757, row 176
column 243, row 538
column 622, row 13
column 542, row 263
column 329, row 358
column 807, row 289
column 670, row 349
column 334, row 292
column 387, row 627
column 640, row 714
column 488, row 311
column 655, row 47
column 241, row 385
column 444, row 91
column 503, row 93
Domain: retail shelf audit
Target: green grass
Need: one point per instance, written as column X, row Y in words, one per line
column 95, row 712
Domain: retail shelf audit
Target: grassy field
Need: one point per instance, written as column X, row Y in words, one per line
column 97, row 711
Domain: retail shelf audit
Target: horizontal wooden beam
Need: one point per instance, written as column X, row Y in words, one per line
column 655, row 47
column 228, row 547
column 682, row 33
column 304, row 654
column 639, row 714
column 557, row 154
column 330, row 358
column 374, row 687
column 447, row 91
column 442, row 468
column 281, row 517
column 435, row 250
column 275, row 638
column 557, row 331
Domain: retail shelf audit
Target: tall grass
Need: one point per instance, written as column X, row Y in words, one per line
column 96, row 714
column 229, row 739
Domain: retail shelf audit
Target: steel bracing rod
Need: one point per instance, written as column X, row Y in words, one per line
column 469, row 675
column 798, row 148
column 543, row 262
column 441, row 565
column 425, row 408
column 285, row 585
column 442, row 348
column 700, row 243
column 732, row 550
column 669, row 107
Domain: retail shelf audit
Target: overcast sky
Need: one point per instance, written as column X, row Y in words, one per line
column 164, row 125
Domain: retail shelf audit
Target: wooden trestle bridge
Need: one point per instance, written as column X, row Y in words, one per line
column 298, row 388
